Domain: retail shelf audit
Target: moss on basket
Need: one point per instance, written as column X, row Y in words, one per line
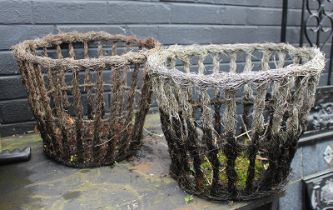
column 241, row 167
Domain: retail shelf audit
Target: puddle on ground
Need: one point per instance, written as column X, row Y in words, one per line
column 14, row 194
column 71, row 195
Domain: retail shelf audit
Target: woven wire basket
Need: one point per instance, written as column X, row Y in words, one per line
column 89, row 94
column 232, row 114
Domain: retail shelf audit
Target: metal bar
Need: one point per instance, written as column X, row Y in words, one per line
column 301, row 39
column 320, row 11
column 330, row 67
column 284, row 20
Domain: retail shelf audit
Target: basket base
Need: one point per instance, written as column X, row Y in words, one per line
column 223, row 195
column 64, row 147
column 75, row 164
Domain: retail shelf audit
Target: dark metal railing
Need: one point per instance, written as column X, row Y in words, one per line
column 284, row 21
column 316, row 21
column 316, row 29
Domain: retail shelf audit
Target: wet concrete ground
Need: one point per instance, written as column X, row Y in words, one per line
column 141, row 183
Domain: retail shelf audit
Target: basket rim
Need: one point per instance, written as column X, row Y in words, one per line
column 228, row 80
column 22, row 54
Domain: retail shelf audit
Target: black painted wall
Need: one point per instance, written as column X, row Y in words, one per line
column 170, row 21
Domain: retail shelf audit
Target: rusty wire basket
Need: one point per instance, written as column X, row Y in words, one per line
column 89, row 94
column 232, row 114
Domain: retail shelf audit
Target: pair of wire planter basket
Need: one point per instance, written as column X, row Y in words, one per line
column 231, row 114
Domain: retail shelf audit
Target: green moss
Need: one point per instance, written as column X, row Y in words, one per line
column 73, row 158
column 71, row 195
column 241, row 167
column 188, row 198
column 152, row 120
column 21, row 141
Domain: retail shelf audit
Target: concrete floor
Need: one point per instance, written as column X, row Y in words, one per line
column 141, row 183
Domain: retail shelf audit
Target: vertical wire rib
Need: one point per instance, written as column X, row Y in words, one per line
column 130, row 108
column 233, row 64
column 201, row 66
column 209, row 136
column 49, row 118
column 217, row 106
column 178, row 133
column 88, row 88
column 295, row 125
column 61, row 102
column 99, row 110
column 77, row 105
column 176, row 162
column 172, row 62
column 36, row 100
column 193, row 147
column 71, row 50
column 52, row 89
column 60, row 112
column 309, row 100
column 33, row 97
column 114, row 110
column 101, row 53
column 258, row 126
column 144, row 104
column 85, row 49
column 87, row 83
column 69, row 126
column 276, row 134
column 59, row 135
column 39, row 106
column 231, row 146
column 192, row 135
column 111, row 153
column 216, row 63
column 293, row 128
column 231, row 149
column 27, row 79
column 295, row 89
column 98, row 125
column 117, row 95
column 279, row 95
column 65, row 102
column 186, row 63
column 248, row 93
column 123, row 85
column 114, row 48
column 100, row 50
column 278, row 167
column 247, row 104
column 27, row 71
column 145, row 101
column 79, row 115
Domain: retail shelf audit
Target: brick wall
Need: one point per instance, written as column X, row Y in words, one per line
column 170, row 21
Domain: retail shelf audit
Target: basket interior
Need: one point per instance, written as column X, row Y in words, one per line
column 235, row 61
column 209, row 60
column 119, row 84
column 96, row 49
